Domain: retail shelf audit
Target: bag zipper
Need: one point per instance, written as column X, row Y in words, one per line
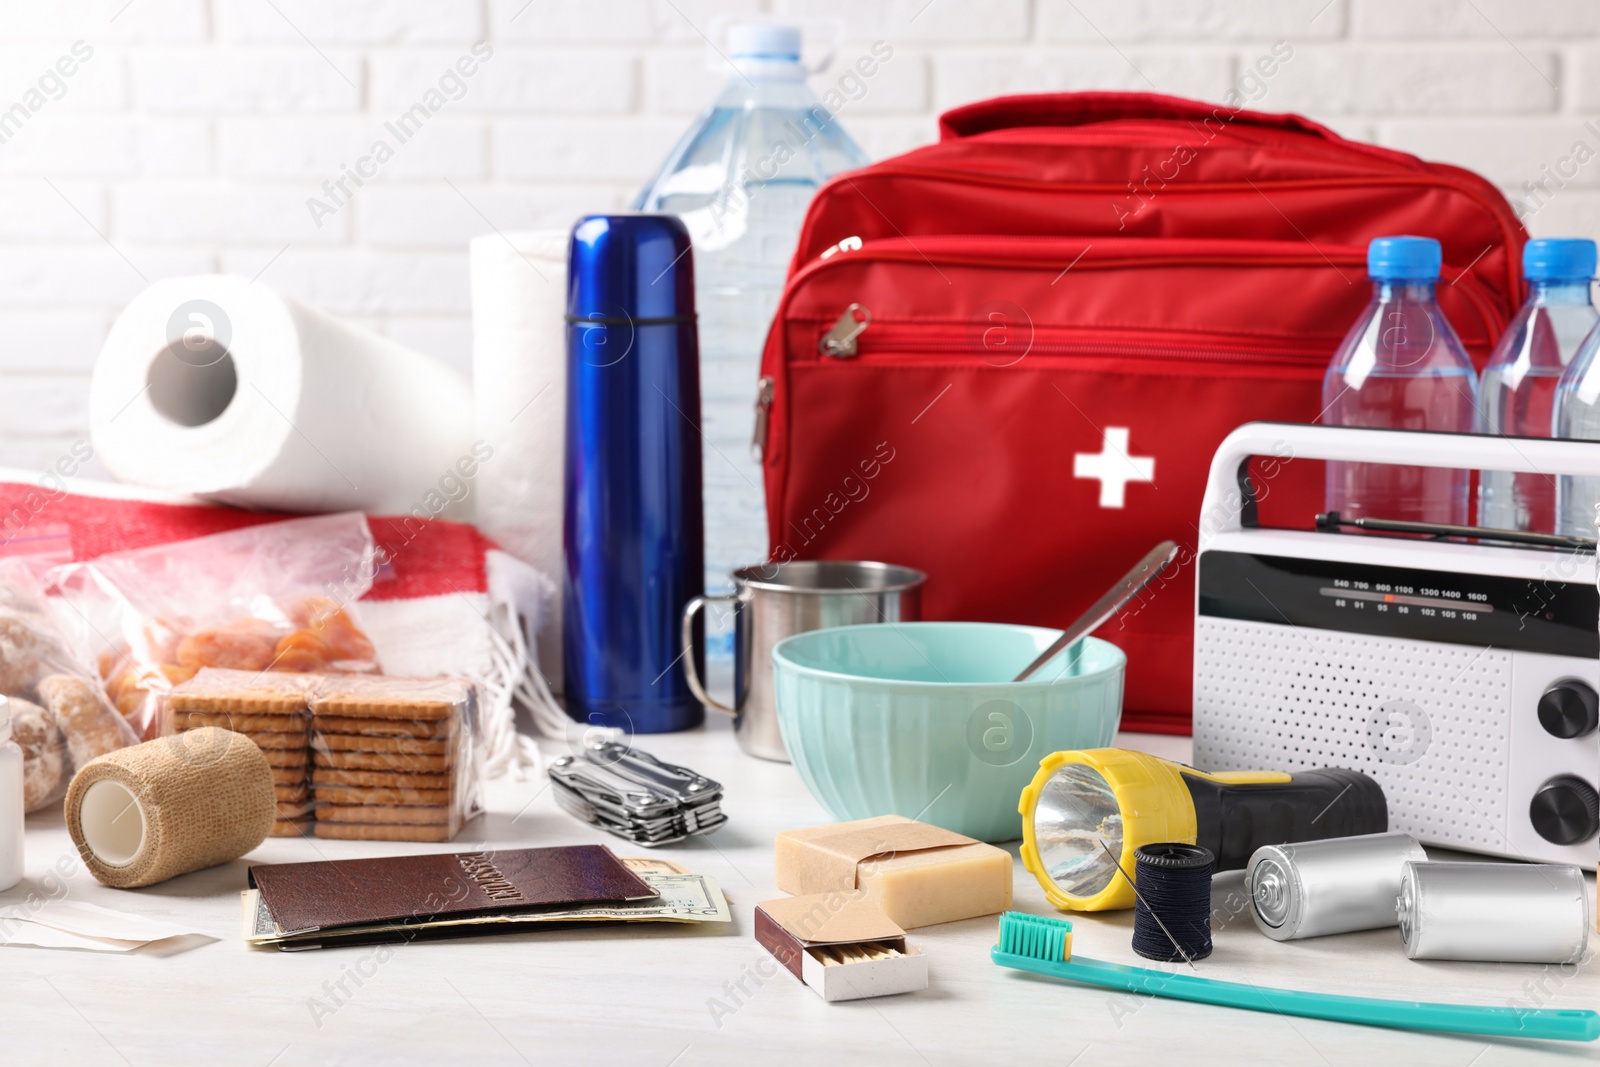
column 840, row 340
column 847, row 334
column 766, row 386
column 891, row 338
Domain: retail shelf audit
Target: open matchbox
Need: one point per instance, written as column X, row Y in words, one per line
column 841, row 945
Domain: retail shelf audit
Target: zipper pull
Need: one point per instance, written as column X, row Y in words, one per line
column 764, row 391
column 840, row 341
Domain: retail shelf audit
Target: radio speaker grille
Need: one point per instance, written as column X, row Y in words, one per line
column 1427, row 721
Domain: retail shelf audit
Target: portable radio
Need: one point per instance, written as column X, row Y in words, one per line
column 1461, row 676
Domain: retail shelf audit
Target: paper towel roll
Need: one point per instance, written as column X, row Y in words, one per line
column 220, row 387
column 177, row 804
column 519, row 370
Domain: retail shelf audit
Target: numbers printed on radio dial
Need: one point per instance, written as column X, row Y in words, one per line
column 1429, row 602
column 1510, row 613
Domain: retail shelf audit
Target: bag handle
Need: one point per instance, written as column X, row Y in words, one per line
column 1082, row 109
column 1229, row 503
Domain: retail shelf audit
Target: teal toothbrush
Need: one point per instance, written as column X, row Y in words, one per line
column 1043, row 945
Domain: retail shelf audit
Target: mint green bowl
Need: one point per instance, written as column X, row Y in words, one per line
column 920, row 718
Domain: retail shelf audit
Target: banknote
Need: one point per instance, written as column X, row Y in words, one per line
column 681, row 898
column 652, row 865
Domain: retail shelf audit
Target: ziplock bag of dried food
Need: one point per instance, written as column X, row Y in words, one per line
column 275, row 597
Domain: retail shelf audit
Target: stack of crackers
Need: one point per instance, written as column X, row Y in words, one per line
column 357, row 757
column 386, row 755
column 272, row 710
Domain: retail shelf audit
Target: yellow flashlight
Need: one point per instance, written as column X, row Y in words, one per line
column 1081, row 798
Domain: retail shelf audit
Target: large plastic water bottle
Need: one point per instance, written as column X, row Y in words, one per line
column 1517, row 393
column 1401, row 367
column 1577, row 416
column 741, row 180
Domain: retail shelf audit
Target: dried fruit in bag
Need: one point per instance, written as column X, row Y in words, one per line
column 324, row 619
column 307, row 635
column 302, row 651
column 256, row 599
column 240, row 645
column 130, row 686
column 312, row 635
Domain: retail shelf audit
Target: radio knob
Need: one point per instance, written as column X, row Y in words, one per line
column 1566, row 810
column 1569, row 709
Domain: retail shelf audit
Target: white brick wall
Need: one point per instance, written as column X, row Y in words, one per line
column 193, row 136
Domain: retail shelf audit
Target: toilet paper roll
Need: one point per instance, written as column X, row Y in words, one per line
column 220, row 387
column 177, row 804
column 519, row 370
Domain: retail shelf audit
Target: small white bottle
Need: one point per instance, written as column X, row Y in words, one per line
column 10, row 802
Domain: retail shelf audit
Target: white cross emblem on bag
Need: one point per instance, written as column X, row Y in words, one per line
column 1114, row 466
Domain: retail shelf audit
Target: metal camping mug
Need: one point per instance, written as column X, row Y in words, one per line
column 772, row 601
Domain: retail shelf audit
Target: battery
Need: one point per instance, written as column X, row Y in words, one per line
column 1328, row 887
column 1493, row 912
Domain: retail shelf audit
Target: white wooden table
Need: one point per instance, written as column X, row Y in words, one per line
column 679, row 996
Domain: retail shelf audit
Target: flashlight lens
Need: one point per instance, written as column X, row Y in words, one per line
column 1075, row 813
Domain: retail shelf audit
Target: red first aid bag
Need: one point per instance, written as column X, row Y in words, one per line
column 1007, row 358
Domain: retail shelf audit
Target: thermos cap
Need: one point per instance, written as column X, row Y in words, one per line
column 630, row 269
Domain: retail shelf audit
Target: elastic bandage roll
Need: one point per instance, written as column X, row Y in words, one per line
column 144, row 814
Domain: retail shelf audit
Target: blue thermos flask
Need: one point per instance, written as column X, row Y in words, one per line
column 633, row 537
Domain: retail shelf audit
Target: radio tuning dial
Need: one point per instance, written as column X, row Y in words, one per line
column 1566, row 810
column 1569, row 709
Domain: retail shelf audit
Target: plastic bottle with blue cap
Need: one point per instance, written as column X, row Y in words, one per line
column 1577, row 416
column 1518, row 389
column 1401, row 367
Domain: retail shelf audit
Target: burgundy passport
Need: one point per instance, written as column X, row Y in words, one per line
column 332, row 893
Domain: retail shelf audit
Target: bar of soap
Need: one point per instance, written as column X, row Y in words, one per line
column 917, row 874
column 939, row 885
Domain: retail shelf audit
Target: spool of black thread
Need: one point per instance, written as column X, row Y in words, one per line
column 1174, row 882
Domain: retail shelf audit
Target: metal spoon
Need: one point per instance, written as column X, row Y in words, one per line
column 1127, row 587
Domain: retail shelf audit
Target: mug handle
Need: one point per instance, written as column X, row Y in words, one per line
column 692, row 675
